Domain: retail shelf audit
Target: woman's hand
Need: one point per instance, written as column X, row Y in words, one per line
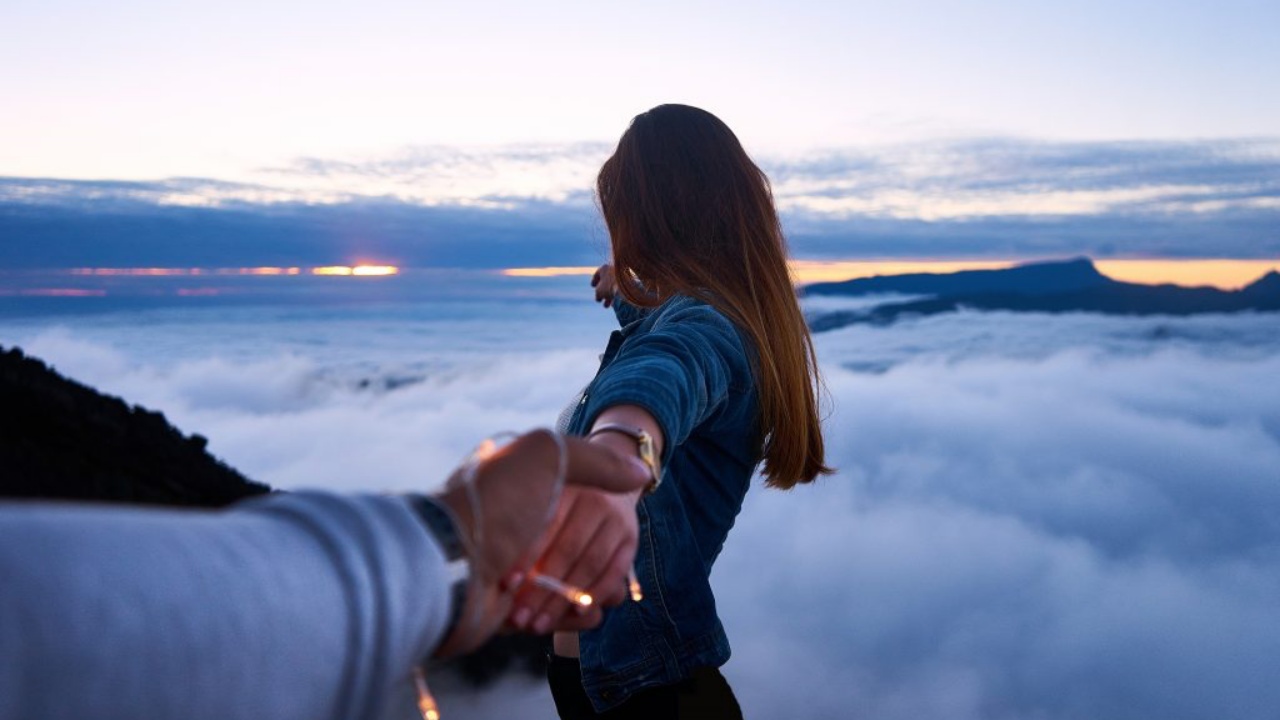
column 514, row 487
column 593, row 548
column 598, row 534
column 605, row 283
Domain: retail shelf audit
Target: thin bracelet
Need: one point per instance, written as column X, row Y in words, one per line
column 644, row 446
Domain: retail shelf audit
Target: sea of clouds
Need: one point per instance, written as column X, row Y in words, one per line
column 1034, row 517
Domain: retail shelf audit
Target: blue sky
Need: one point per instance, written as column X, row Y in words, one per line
column 912, row 128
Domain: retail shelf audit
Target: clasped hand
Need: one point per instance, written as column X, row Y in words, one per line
column 589, row 542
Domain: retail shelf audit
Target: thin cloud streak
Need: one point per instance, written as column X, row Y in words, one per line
column 924, row 181
column 532, row 205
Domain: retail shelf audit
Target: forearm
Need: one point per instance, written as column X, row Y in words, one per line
column 632, row 416
column 306, row 606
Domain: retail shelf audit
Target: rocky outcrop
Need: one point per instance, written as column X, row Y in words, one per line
column 60, row 439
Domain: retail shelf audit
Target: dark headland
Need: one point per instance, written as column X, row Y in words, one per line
column 1046, row 287
column 61, row 440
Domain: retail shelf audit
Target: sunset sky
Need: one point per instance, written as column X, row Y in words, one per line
column 345, row 241
column 140, row 89
column 148, row 134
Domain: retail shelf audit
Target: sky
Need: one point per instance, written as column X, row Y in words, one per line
column 467, row 134
column 146, row 90
column 1034, row 517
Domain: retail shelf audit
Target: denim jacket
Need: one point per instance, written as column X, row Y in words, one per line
column 688, row 365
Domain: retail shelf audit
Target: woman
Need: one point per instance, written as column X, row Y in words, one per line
column 713, row 366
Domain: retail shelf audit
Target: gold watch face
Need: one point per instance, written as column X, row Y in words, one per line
column 645, row 443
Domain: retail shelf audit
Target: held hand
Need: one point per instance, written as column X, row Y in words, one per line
column 593, row 547
column 593, row 525
column 514, row 489
column 605, row 283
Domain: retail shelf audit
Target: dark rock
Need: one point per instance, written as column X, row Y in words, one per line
column 60, row 439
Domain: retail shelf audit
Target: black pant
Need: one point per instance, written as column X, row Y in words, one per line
column 704, row 696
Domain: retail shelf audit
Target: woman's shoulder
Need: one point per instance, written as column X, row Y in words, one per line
column 689, row 315
column 687, row 308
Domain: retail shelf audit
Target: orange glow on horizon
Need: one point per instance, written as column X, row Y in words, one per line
column 138, row 272
column 357, row 270
column 1225, row 274
column 812, row 271
column 264, row 271
column 1222, row 273
column 552, row 271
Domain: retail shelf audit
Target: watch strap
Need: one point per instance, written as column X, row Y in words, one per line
column 441, row 524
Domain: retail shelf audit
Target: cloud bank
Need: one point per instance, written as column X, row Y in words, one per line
column 1045, row 518
column 532, row 204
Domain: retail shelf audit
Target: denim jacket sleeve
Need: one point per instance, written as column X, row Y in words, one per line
column 625, row 312
column 690, row 367
column 680, row 370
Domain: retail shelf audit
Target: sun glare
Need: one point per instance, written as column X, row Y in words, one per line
column 356, row 270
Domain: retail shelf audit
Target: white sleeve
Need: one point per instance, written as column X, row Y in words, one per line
column 307, row 606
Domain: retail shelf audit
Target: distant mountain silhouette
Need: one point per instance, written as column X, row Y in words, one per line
column 1030, row 279
column 1266, row 286
column 1053, row 287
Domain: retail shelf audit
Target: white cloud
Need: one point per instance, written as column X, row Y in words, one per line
column 1035, row 517
column 927, row 181
column 1080, row 535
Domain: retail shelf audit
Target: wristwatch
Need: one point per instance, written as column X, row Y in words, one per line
column 440, row 522
column 644, row 445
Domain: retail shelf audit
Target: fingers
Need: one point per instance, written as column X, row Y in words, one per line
column 537, row 609
column 595, row 465
column 586, row 569
column 610, row 587
column 603, row 281
column 592, row 549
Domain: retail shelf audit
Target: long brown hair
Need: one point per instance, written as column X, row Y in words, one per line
column 689, row 212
